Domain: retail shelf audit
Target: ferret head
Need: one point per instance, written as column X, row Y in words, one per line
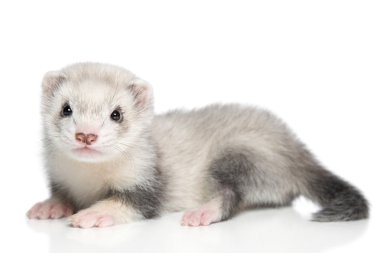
column 94, row 112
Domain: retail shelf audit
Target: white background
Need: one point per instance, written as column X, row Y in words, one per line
column 314, row 63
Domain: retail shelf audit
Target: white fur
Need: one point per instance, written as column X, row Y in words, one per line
column 187, row 141
column 182, row 144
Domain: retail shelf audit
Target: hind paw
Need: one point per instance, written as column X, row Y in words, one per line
column 203, row 216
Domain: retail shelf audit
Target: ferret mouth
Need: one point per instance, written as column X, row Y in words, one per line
column 86, row 150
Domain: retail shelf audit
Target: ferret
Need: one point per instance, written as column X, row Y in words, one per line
column 110, row 160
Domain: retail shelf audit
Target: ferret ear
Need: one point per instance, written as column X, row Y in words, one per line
column 142, row 93
column 51, row 81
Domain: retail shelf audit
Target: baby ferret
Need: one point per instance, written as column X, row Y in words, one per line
column 110, row 160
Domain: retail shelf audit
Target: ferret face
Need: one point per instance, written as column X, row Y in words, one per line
column 94, row 112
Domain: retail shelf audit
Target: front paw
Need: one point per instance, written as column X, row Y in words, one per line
column 50, row 209
column 88, row 218
column 103, row 214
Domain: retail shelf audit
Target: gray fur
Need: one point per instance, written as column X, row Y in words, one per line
column 236, row 175
column 146, row 199
column 340, row 201
column 232, row 173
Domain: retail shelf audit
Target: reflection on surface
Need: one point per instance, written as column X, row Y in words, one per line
column 271, row 230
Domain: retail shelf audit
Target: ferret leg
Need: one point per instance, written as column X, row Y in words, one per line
column 51, row 208
column 217, row 209
column 232, row 173
column 122, row 206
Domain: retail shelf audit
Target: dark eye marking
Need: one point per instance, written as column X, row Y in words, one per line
column 117, row 115
column 66, row 110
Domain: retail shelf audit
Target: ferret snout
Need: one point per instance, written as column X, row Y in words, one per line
column 86, row 138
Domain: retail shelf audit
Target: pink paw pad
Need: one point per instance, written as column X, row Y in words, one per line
column 88, row 219
column 50, row 209
column 200, row 217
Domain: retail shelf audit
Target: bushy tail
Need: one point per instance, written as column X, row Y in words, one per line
column 340, row 200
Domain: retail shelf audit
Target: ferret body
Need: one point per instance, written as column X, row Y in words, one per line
column 110, row 160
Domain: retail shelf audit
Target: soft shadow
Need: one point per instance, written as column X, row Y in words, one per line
column 270, row 230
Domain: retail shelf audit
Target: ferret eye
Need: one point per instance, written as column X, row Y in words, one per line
column 66, row 110
column 116, row 115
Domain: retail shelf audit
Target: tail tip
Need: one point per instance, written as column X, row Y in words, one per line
column 342, row 214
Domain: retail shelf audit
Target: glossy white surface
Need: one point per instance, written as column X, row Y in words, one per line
column 280, row 230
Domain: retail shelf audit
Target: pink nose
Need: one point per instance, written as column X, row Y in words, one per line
column 86, row 138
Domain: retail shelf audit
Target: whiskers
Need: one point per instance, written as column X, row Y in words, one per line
column 61, row 137
column 57, row 141
column 122, row 148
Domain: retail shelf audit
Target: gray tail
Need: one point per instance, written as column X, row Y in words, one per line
column 340, row 201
